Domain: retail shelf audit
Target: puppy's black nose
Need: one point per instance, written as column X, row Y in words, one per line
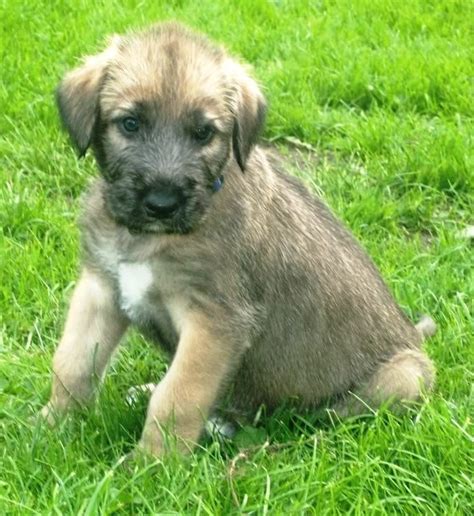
column 161, row 203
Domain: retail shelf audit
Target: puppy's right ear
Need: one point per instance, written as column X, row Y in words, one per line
column 249, row 109
column 78, row 96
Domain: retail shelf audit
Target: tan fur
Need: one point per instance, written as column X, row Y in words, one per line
column 185, row 396
column 263, row 298
column 394, row 383
column 87, row 79
column 93, row 328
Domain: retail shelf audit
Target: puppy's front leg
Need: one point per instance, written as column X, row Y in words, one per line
column 181, row 402
column 94, row 326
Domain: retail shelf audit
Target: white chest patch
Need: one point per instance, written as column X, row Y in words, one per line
column 134, row 280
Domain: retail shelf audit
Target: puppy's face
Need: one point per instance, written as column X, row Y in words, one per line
column 165, row 113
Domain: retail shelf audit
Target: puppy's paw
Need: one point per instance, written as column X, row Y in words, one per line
column 220, row 428
column 136, row 459
column 151, row 445
column 158, row 441
column 137, row 391
column 50, row 415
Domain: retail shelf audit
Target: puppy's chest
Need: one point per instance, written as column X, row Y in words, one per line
column 147, row 297
column 135, row 284
column 151, row 291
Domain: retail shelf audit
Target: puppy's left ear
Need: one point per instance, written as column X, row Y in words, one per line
column 78, row 96
column 249, row 109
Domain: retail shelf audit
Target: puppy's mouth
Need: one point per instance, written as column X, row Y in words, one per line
column 137, row 221
column 176, row 225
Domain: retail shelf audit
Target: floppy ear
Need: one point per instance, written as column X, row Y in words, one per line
column 249, row 109
column 78, row 96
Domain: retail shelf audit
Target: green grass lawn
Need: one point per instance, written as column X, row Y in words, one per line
column 383, row 91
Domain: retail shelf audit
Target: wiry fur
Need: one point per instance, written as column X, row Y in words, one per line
column 259, row 294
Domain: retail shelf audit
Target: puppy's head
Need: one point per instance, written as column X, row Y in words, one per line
column 165, row 113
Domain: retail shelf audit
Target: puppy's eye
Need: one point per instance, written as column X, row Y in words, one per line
column 203, row 134
column 130, row 124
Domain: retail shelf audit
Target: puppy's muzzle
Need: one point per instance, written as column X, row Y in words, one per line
column 162, row 203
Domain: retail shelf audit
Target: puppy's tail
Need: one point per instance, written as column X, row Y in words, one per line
column 426, row 327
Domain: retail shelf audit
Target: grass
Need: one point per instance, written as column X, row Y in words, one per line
column 383, row 91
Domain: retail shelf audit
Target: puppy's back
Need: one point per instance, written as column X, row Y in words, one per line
column 329, row 317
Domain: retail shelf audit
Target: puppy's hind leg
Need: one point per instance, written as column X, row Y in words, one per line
column 400, row 379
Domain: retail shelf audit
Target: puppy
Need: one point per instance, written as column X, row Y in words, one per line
column 194, row 234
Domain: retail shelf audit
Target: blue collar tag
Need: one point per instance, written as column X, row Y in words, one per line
column 217, row 185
